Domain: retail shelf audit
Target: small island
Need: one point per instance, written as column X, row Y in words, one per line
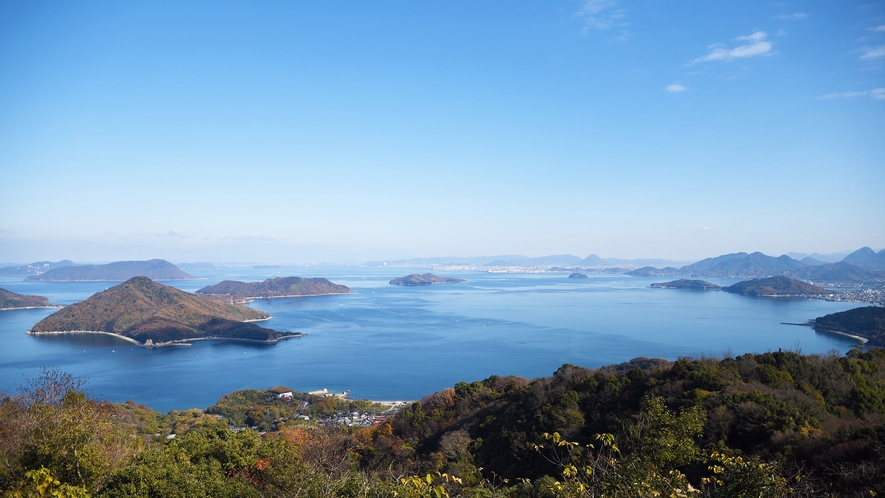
column 866, row 324
column 150, row 314
column 578, row 275
column 425, row 279
column 154, row 269
column 274, row 288
column 776, row 287
column 12, row 301
column 684, row 283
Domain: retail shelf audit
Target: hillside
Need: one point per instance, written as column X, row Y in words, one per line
column 143, row 310
column 867, row 322
column 11, row 300
column 154, row 269
column 742, row 264
column 683, row 283
column 775, row 286
column 425, row 279
column 276, row 287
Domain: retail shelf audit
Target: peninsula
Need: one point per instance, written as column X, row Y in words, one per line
column 425, row 279
column 12, row 301
column 155, row 269
column 866, row 324
column 274, row 288
column 151, row 314
column 684, row 283
column 775, row 286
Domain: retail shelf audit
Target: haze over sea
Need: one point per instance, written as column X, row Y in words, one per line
column 388, row 342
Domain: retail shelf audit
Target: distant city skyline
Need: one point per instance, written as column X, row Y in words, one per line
column 289, row 133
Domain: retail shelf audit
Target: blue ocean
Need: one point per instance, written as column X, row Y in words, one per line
column 387, row 342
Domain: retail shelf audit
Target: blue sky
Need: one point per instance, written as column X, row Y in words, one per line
column 287, row 132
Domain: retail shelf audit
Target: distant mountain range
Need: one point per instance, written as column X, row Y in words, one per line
column 150, row 313
column 564, row 260
column 861, row 266
column 155, row 269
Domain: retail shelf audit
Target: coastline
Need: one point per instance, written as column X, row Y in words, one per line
column 179, row 342
column 32, row 307
column 61, row 332
column 249, row 299
column 862, row 340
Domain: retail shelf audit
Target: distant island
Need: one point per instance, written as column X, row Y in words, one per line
column 151, row 314
column 683, row 283
column 154, row 269
column 775, row 286
column 578, row 275
column 651, row 271
column 425, row 279
column 274, row 288
column 866, row 324
column 11, row 301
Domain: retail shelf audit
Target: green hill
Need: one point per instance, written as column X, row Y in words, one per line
column 143, row 310
column 275, row 287
column 154, row 269
column 867, row 322
column 11, row 300
column 775, row 286
column 425, row 279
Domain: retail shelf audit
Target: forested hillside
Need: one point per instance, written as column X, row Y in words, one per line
column 773, row 424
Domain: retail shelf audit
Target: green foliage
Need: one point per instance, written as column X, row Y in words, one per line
column 773, row 424
column 54, row 425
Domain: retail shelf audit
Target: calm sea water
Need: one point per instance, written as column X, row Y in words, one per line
column 388, row 342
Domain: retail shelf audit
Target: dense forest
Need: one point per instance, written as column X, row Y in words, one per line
column 774, row 424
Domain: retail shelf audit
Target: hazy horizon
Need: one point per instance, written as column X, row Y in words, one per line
column 289, row 133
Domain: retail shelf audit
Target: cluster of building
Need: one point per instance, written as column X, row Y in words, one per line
column 872, row 296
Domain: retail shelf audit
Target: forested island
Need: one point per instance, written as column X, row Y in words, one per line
column 773, row 424
column 10, row 300
column 683, row 283
column 775, row 286
column 155, row 269
column 425, row 279
column 151, row 314
column 274, row 288
column 866, row 323
column 578, row 275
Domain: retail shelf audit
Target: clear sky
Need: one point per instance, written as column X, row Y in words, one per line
column 296, row 131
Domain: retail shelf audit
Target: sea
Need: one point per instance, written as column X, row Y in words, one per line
column 385, row 342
